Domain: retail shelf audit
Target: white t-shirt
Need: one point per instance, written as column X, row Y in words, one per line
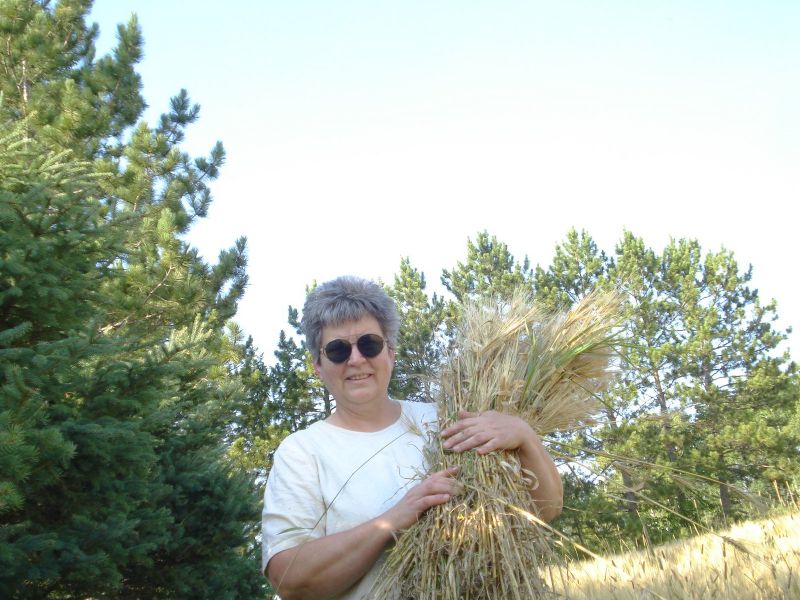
column 356, row 475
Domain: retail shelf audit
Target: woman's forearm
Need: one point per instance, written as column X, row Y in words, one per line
column 327, row 566
column 549, row 493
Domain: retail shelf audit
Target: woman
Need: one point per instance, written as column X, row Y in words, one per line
column 340, row 491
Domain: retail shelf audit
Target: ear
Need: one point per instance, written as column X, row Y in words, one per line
column 317, row 367
column 391, row 355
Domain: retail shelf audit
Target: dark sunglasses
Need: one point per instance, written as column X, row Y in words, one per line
column 369, row 345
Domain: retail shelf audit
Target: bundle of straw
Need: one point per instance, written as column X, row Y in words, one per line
column 546, row 368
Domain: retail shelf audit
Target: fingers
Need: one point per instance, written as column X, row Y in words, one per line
column 466, row 439
column 438, row 488
column 448, row 472
column 473, row 429
column 485, row 432
column 441, row 482
column 466, row 419
column 438, row 482
column 433, row 500
column 488, row 447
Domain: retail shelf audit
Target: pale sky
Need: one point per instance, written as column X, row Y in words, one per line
column 358, row 133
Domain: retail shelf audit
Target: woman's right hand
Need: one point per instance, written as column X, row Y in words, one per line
column 438, row 488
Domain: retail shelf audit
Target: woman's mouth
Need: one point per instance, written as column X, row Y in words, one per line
column 359, row 377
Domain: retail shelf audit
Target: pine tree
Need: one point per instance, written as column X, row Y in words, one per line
column 281, row 399
column 250, row 437
column 116, row 370
column 701, row 377
column 419, row 347
column 737, row 386
column 297, row 396
column 50, row 244
column 490, row 270
column 701, row 393
column 578, row 267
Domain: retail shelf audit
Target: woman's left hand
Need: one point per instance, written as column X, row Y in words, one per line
column 490, row 431
column 487, row 432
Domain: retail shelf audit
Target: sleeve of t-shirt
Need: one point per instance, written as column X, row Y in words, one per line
column 294, row 511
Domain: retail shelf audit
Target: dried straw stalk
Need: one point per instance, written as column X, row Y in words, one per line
column 547, row 369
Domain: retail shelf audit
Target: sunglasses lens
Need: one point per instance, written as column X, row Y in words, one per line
column 338, row 350
column 370, row 345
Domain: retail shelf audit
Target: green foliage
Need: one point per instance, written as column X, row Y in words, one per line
column 578, row 267
column 419, row 348
column 280, row 399
column 689, row 431
column 490, row 270
column 42, row 222
column 116, row 372
column 51, row 76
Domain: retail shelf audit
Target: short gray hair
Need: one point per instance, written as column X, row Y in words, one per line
column 344, row 299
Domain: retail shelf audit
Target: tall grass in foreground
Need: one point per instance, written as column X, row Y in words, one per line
column 545, row 368
column 756, row 560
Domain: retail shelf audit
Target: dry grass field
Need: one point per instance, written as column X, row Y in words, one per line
column 756, row 560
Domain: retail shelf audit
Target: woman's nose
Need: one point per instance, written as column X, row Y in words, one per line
column 355, row 356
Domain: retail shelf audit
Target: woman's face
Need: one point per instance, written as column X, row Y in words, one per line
column 358, row 381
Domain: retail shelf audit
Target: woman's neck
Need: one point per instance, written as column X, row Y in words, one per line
column 366, row 418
